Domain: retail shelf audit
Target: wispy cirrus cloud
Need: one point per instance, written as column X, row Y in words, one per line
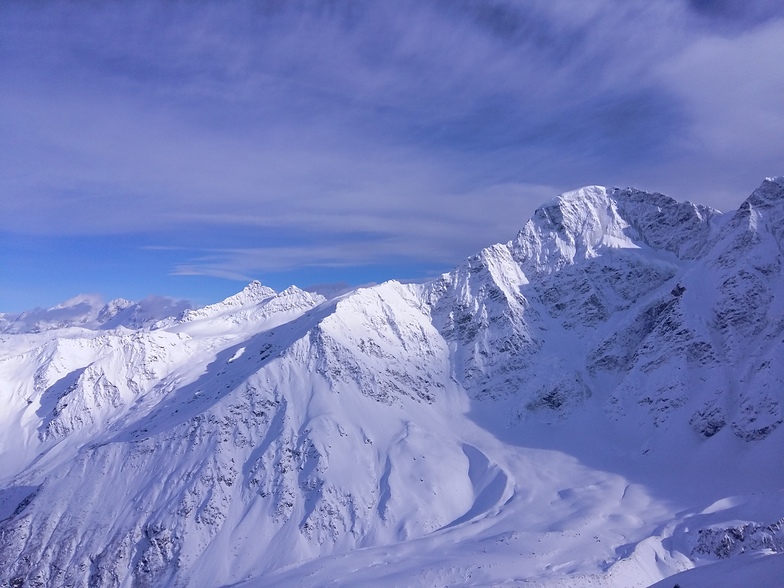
column 351, row 132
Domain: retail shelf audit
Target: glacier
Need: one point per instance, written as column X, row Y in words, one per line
column 596, row 402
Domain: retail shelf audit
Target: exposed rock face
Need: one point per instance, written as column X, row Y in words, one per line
column 148, row 444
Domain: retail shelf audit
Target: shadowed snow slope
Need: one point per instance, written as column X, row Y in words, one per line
column 598, row 401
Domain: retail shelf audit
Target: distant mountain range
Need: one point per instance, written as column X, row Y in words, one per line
column 597, row 402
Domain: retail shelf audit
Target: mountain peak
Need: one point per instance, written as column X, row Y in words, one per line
column 579, row 223
column 250, row 295
column 762, row 211
column 572, row 226
column 584, row 195
column 253, row 293
column 769, row 193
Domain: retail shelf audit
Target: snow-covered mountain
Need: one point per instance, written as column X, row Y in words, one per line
column 596, row 402
column 90, row 312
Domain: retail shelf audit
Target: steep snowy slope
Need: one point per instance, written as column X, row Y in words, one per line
column 597, row 401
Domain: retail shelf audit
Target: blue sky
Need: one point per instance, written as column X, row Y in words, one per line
column 186, row 148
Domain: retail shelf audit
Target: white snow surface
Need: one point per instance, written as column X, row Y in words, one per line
column 597, row 402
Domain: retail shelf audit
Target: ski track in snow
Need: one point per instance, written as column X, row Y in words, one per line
column 595, row 403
